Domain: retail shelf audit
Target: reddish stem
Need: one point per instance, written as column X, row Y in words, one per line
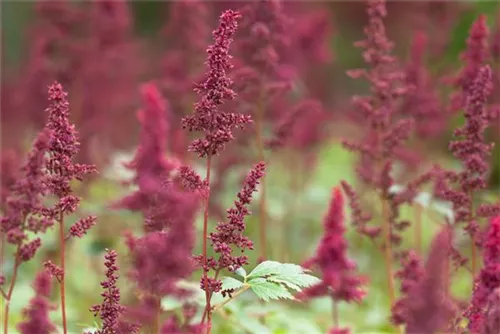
column 208, row 307
column 11, row 290
column 386, row 228
column 335, row 313
column 62, row 282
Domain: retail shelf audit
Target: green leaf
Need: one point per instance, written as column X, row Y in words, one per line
column 241, row 272
column 267, row 290
column 271, row 280
column 265, row 268
column 231, row 283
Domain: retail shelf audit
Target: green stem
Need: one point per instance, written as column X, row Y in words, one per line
column 233, row 296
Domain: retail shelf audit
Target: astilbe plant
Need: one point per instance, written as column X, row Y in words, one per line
column 22, row 213
column 168, row 211
column 265, row 62
column 49, row 170
column 110, row 310
column 182, row 62
column 217, row 126
column 339, row 279
column 61, row 170
column 487, row 281
column 425, row 305
column 382, row 146
column 475, row 56
column 422, row 101
column 470, row 148
column 37, row 313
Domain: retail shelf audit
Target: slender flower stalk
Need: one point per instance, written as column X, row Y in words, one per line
column 110, row 310
column 61, row 171
column 217, row 127
column 470, row 148
column 385, row 135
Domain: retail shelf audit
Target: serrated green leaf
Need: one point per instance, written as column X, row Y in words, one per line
column 265, row 268
column 267, row 290
column 301, row 280
column 231, row 283
column 287, row 284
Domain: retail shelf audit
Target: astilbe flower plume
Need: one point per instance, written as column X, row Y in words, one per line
column 187, row 33
column 428, row 307
column 22, row 213
column 488, row 279
column 474, row 58
column 383, row 143
column 411, row 273
column 110, row 310
column 155, row 273
column 385, row 136
column 311, row 51
column 339, row 279
column 25, row 200
column 36, row 315
column 422, row 101
column 63, row 147
column 110, row 68
column 264, row 27
column 214, row 90
column 168, row 212
column 229, row 234
column 159, row 197
column 492, row 314
column 471, row 149
column 382, row 147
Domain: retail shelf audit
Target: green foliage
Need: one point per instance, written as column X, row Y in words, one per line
column 273, row 280
column 229, row 283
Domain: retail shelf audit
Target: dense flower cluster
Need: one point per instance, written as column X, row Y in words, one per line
column 339, row 279
column 37, row 313
column 411, row 273
column 283, row 77
column 158, row 197
column 472, row 150
column 422, row 101
column 474, row 57
column 110, row 310
column 182, row 62
column 25, row 201
column 61, row 168
column 488, row 279
column 229, row 234
column 384, row 137
column 214, row 90
column 429, row 308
